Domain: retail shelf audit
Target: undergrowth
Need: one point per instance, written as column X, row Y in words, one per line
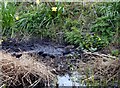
column 91, row 26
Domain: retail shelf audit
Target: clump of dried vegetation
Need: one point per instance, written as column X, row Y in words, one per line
column 24, row 72
column 100, row 67
column 108, row 72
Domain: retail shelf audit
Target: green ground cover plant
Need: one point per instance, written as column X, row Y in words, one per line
column 91, row 26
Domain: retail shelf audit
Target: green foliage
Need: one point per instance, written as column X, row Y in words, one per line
column 0, row 16
column 86, row 41
column 103, row 28
column 92, row 42
column 73, row 37
column 8, row 21
column 115, row 52
column 39, row 20
column 107, row 22
column 75, row 21
column 71, row 24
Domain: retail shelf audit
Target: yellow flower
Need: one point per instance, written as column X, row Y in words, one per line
column 54, row 9
column 56, row 0
column 17, row 18
column 37, row 1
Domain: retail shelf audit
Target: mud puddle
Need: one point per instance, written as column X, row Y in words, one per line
column 73, row 79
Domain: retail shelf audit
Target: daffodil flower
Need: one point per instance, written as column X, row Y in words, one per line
column 17, row 18
column 54, row 9
column 37, row 2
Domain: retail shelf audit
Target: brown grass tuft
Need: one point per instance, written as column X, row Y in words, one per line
column 25, row 72
column 102, row 68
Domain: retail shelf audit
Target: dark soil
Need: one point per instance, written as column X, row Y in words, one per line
column 62, row 58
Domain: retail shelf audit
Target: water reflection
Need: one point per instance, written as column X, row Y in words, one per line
column 70, row 80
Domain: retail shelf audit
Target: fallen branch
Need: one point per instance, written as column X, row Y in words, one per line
column 99, row 55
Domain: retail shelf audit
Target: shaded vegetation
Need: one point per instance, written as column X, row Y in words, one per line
column 91, row 26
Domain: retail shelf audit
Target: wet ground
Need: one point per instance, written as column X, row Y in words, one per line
column 39, row 46
column 64, row 59
column 60, row 57
column 73, row 79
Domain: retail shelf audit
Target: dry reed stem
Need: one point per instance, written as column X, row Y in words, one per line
column 24, row 71
column 104, row 68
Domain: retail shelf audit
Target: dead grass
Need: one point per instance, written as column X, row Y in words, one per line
column 108, row 72
column 103, row 68
column 25, row 71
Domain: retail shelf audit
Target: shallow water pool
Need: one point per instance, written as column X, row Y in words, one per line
column 70, row 80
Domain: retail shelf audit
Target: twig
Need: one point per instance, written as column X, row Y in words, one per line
column 100, row 55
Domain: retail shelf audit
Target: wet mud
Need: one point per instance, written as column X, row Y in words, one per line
column 60, row 57
column 64, row 59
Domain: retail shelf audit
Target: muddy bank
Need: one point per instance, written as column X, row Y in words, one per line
column 12, row 45
column 60, row 57
column 63, row 59
column 39, row 46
